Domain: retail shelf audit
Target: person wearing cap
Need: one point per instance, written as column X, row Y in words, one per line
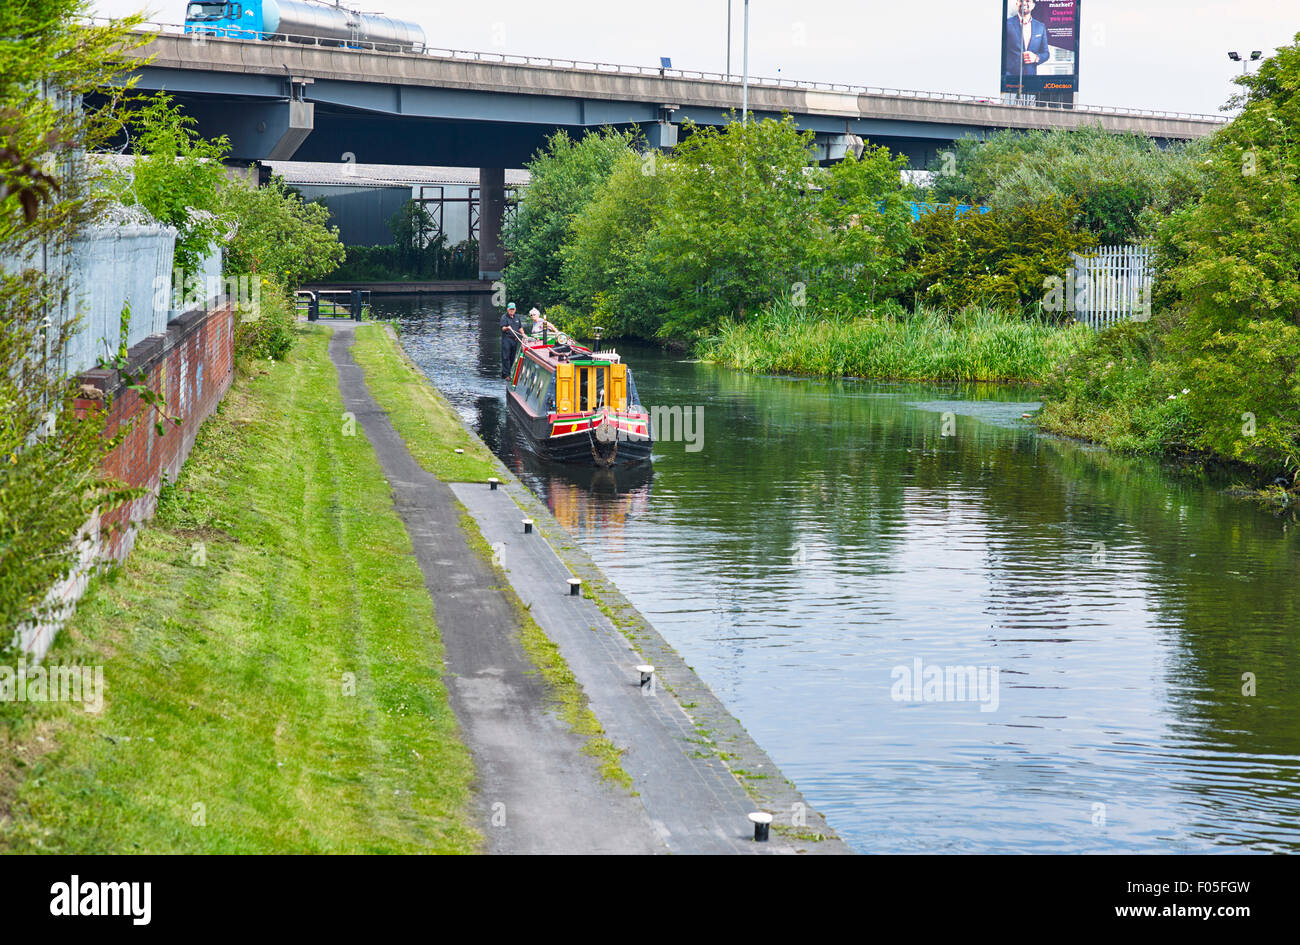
column 510, row 329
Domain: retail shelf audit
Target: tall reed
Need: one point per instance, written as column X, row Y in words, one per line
column 976, row 344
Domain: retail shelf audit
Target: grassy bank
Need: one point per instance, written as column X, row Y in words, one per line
column 1135, row 388
column 418, row 411
column 273, row 672
column 974, row 345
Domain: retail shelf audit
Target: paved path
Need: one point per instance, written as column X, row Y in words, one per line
column 536, row 791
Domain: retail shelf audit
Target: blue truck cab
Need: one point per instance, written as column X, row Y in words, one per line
column 233, row 20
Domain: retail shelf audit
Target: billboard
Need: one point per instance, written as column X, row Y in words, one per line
column 1040, row 48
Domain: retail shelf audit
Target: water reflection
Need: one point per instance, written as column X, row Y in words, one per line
column 830, row 532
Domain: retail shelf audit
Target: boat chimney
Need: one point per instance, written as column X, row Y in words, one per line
column 597, row 331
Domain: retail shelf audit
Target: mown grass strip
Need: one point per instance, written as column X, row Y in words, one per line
column 273, row 671
column 419, row 413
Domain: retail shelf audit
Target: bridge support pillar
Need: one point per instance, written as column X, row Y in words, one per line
column 662, row 134
column 258, row 131
column 491, row 210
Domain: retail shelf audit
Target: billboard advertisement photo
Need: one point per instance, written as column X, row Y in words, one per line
column 1040, row 48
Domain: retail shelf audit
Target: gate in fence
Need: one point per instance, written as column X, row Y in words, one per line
column 1112, row 284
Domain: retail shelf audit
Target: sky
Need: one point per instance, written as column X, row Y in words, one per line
column 1157, row 54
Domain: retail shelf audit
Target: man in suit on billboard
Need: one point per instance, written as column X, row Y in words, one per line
column 1025, row 43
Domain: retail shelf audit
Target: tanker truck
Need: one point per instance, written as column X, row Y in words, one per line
column 303, row 21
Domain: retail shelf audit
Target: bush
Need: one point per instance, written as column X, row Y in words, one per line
column 1115, row 391
column 278, row 235
column 264, row 328
column 999, row 258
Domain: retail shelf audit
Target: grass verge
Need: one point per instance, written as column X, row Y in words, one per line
column 273, row 672
column 418, row 411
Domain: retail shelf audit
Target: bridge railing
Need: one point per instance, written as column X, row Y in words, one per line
column 608, row 68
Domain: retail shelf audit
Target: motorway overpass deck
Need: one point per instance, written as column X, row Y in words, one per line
column 311, row 102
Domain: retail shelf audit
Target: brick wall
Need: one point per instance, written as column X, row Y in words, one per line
column 192, row 364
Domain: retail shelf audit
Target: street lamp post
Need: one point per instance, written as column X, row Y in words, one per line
column 744, row 82
column 728, row 40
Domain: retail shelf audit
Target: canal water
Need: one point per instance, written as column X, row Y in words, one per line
column 1132, row 637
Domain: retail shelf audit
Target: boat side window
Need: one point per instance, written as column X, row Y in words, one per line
column 534, row 387
column 532, row 382
column 535, row 392
column 549, row 399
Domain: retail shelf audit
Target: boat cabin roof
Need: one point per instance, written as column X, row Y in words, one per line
column 551, row 354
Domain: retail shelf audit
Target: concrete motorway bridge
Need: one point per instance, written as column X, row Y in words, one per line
column 298, row 101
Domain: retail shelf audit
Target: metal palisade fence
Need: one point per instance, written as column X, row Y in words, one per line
column 1112, row 284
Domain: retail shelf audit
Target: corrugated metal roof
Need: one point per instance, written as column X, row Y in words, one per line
column 379, row 175
column 359, row 175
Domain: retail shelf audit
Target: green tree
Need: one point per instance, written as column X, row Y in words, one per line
column 50, row 458
column 565, row 176
column 739, row 222
column 611, row 271
column 177, row 176
column 868, row 229
column 1113, row 178
column 277, row 234
column 1230, row 263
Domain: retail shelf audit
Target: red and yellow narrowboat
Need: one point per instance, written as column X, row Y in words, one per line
column 577, row 405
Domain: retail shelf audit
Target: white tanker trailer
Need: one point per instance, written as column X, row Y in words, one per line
column 302, row 21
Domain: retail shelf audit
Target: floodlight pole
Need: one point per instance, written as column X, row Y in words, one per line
column 728, row 39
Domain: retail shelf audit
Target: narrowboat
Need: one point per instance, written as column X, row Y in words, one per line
column 577, row 405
